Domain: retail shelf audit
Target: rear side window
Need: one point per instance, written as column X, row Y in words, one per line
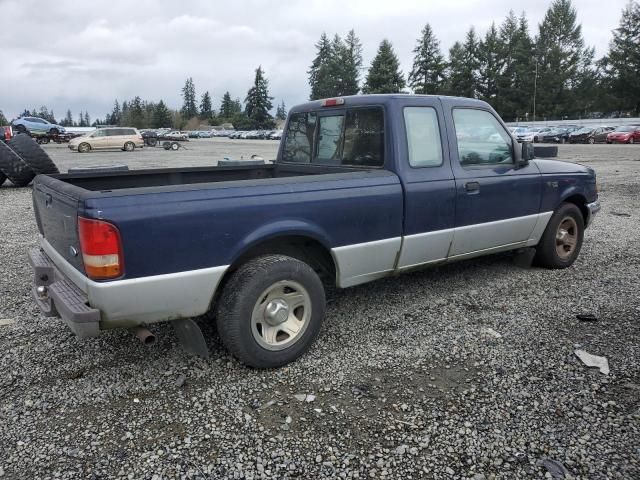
column 113, row 132
column 354, row 138
column 298, row 145
column 481, row 138
column 423, row 137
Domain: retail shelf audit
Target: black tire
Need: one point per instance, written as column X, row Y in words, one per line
column 175, row 146
column 33, row 154
column 152, row 141
column 21, row 129
column 547, row 249
column 3, row 177
column 14, row 167
column 54, row 131
column 238, row 300
column 84, row 147
column 166, row 145
column 592, row 141
column 129, row 147
column 547, row 151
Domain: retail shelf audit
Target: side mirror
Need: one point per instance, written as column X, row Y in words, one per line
column 523, row 154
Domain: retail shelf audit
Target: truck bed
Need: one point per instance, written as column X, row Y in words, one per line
column 164, row 177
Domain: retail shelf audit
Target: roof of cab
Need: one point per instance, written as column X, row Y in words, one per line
column 384, row 99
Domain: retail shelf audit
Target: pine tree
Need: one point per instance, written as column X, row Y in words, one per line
column 321, row 78
column 258, row 102
column 116, row 114
column 490, row 66
column 384, row 75
column 189, row 109
column 68, row 119
column 281, row 112
column 206, row 110
column 3, row 119
column 87, row 119
column 162, row 117
column 622, row 62
column 226, row 106
column 560, row 54
column 136, row 113
column 427, row 74
column 236, row 107
column 463, row 67
column 350, row 56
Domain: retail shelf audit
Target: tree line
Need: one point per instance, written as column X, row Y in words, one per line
column 549, row 75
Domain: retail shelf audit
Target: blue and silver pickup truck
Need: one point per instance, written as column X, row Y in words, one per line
column 363, row 187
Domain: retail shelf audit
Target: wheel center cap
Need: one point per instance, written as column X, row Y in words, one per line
column 276, row 312
column 562, row 235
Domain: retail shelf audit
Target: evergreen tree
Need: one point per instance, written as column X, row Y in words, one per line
column 560, row 54
column 490, row 65
column 206, row 110
column 87, row 119
column 3, row 119
column 427, row 74
column 114, row 118
column 281, row 112
column 350, row 56
column 68, row 119
column 463, row 67
column 189, row 109
column 622, row 62
column 258, row 102
column 162, row 117
column 321, row 78
column 384, row 75
column 226, row 106
column 136, row 113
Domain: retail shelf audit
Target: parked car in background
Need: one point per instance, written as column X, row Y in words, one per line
column 36, row 125
column 557, row 135
column 276, row 135
column 205, row 134
column 173, row 135
column 124, row 138
column 539, row 132
column 590, row 135
column 522, row 134
column 194, row 134
column 625, row 134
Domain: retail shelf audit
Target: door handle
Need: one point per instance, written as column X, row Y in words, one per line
column 472, row 187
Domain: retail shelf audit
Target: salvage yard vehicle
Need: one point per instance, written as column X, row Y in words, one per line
column 363, row 187
column 625, row 134
column 590, row 135
column 36, row 125
column 126, row 139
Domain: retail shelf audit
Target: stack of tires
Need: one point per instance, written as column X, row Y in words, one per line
column 21, row 159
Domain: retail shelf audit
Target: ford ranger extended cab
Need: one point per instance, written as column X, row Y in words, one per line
column 363, row 187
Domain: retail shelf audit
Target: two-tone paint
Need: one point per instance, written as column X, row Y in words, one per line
column 179, row 241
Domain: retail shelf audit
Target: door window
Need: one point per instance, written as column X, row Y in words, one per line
column 481, row 138
column 423, row 137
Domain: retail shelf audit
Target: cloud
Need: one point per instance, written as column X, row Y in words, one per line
column 83, row 55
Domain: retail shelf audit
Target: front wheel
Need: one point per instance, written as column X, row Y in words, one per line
column 84, row 148
column 129, row 147
column 271, row 311
column 592, row 141
column 561, row 242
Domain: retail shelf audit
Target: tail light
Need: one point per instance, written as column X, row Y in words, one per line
column 101, row 249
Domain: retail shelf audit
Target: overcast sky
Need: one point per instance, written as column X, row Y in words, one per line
column 83, row 55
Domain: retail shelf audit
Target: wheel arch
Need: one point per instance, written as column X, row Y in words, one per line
column 580, row 201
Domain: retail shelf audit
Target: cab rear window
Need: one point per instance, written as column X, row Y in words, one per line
column 354, row 137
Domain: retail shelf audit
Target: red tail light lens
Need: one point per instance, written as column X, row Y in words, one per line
column 101, row 249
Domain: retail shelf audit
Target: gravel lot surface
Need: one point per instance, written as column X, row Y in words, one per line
column 465, row 371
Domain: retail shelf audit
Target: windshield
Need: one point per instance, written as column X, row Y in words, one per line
column 584, row 130
column 624, row 129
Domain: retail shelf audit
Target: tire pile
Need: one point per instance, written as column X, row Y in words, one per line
column 21, row 159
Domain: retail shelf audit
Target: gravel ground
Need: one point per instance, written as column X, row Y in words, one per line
column 465, row 371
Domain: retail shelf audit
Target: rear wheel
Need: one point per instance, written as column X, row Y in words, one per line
column 592, row 140
column 562, row 240
column 3, row 177
column 271, row 311
column 129, row 147
column 84, row 147
column 175, row 146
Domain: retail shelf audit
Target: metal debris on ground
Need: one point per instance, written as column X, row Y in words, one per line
column 555, row 468
column 587, row 317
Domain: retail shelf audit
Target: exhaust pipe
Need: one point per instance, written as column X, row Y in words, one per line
column 145, row 336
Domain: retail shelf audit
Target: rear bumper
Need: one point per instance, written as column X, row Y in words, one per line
column 57, row 296
column 88, row 306
column 593, row 208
